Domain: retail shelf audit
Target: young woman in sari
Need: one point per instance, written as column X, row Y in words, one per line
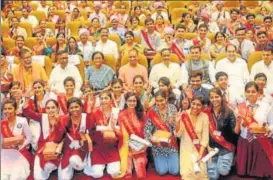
column 42, row 48
column 60, row 45
column 19, row 45
column 51, row 16
column 187, row 20
column 255, row 144
column 130, row 44
column 145, row 97
column 16, row 159
column 105, row 138
column 219, row 46
column 132, row 122
column 161, row 117
column 160, row 25
column 69, row 85
column 73, row 48
column 77, row 124
column 193, row 129
column 52, row 133
column 61, row 28
column 223, row 130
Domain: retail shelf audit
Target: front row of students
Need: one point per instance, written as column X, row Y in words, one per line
column 92, row 139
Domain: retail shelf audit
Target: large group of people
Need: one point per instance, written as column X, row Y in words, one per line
column 123, row 87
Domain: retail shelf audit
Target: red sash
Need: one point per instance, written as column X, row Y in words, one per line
column 6, row 130
column 263, row 141
column 178, row 52
column 62, row 102
column 160, row 125
column 190, row 130
column 219, row 139
column 130, row 127
column 146, row 38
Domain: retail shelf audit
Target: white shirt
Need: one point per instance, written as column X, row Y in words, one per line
column 212, row 25
column 237, row 71
column 223, row 15
column 154, row 40
column 58, row 74
column 246, row 47
column 233, row 96
column 87, row 50
column 263, row 114
column 110, row 47
column 185, row 46
column 100, row 16
column 185, row 74
column 260, row 67
column 30, row 19
column 161, row 70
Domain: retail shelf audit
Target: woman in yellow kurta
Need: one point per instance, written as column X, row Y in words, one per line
column 193, row 128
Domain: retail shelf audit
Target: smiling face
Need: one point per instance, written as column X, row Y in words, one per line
column 251, row 94
column 61, row 39
column 202, row 32
column 131, row 102
column 105, row 101
column 38, row 89
column 220, row 38
column 133, row 58
column 63, row 60
column 104, row 34
column 223, row 82
column 195, row 54
column 196, row 107
column 138, row 85
column 51, row 109
column 26, row 60
column 261, row 82
column 69, row 87
column 163, row 87
column 196, row 82
column 161, row 102
column 98, row 60
column 75, row 109
column 16, row 91
column 19, row 42
column 9, row 110
column 117, row 88
column 215, row 99
column 72, row 43
column 129, row 39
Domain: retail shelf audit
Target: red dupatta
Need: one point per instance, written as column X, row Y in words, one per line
column 178, row 52
column 161, row 125
column 219, row 139
column 6, row 132
column 62, row 103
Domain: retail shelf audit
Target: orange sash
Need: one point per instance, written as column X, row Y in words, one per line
column 190, row 130
column 130, row 128
column 35, row 75
column 146, row 38
column 178, row 52
column 219, row 139
column 160, row 125
column 62, row 102
column 263, row 140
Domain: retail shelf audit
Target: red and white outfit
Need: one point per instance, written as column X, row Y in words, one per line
column 43, row 168
column 17, row 164
column 74, row 157
column 103, row 153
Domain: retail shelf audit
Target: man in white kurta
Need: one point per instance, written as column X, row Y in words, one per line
column 165, row 69
column 107, row 46
column 28, row 18
column 236, row 68
column 265, row 66
column 62, row 71
column 86, row 47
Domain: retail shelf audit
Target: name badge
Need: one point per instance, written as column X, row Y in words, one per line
column 196, row 141
column 217, row 133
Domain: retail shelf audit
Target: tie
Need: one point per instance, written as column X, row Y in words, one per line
column 250, row 136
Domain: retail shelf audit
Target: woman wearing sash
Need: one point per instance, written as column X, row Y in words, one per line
column 52, row 131
column 77, row 125
column 193, row 129
column 132, row 122
column 255, row 144
column 105, row 139
column 69, row 85
column 161, row 119
column 223, row 129
column 16, row 159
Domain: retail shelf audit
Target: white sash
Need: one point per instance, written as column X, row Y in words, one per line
column 45, row 125
column 75, row 144
column 18, row 128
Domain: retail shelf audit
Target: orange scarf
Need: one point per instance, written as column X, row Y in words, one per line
column 35, row 75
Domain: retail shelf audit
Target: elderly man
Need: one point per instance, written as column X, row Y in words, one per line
column 196, row 63
column 265, row 66
column 86, row 46
column 62, row 71
column 98, row 14
column 243, row 45
column 107, row 46
column 116, row 29
column 131, row 69
column 236, row 68
column 27, row 71
column 166, row 69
